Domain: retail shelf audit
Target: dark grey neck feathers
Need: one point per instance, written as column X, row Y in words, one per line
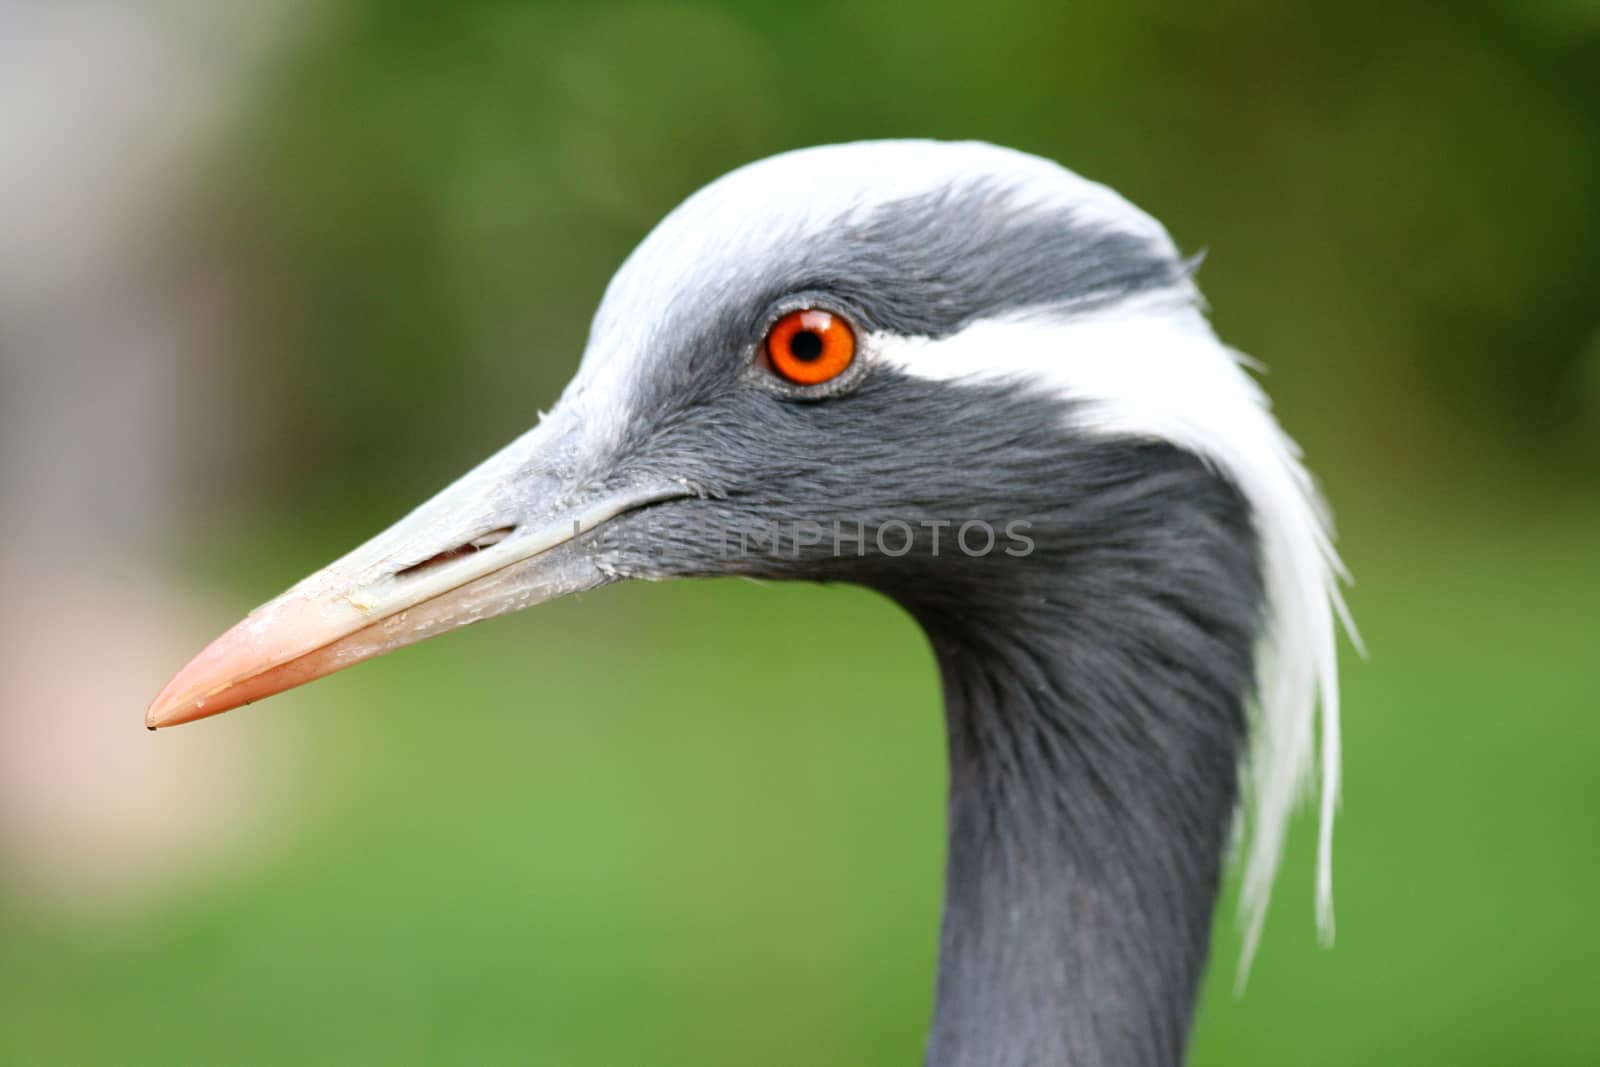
column 1095, row 688
column 1096, row 717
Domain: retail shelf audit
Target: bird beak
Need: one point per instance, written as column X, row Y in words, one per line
column 507, row 535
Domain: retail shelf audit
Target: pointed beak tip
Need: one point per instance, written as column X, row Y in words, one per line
column 195, row 692
column 187, row 699
column 156, row 717
column 181, row 692
column 160, row 709
column 163, row 711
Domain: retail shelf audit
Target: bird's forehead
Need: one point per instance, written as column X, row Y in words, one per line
column 907, row 222
column 776, row 211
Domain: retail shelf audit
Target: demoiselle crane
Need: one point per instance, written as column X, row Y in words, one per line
column 984, row 386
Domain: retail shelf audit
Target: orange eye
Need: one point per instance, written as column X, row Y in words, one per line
column 810, row 346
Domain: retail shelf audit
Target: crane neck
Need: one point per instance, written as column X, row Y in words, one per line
column 1096, row 717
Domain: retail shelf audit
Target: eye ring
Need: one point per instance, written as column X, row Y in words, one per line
column 810, row 346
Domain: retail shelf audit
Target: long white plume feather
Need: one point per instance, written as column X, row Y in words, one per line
column 1154, row 369
column 1148, row 367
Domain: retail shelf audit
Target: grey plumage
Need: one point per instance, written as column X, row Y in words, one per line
column 1095, row 697
column 920, row 266
column 1031, row 357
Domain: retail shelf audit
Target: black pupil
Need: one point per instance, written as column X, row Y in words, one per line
column 805, row 346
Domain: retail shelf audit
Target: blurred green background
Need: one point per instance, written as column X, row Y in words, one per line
column 311, row 261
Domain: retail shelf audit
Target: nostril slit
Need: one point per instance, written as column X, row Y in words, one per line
column 493, row 537
column 450, row 555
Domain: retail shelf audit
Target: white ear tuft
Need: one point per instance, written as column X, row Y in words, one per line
column 1153, row 368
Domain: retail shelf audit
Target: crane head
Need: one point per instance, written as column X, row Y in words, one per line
column 871, row 362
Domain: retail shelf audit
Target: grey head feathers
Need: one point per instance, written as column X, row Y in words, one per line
column 965, row 267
